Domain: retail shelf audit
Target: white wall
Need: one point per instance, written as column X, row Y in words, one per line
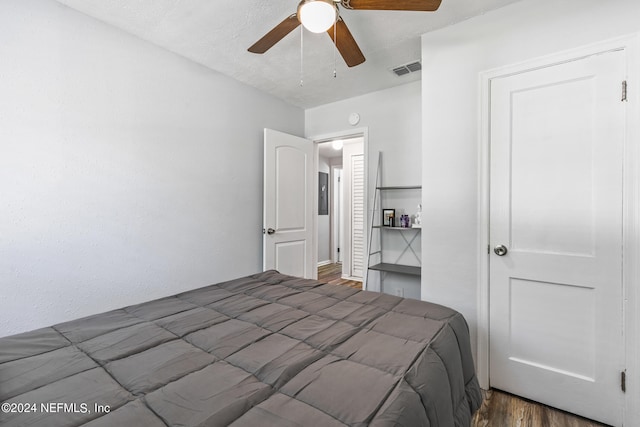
column 324, row 223
column 393, row 120
column 126, row 172
column 452, row 60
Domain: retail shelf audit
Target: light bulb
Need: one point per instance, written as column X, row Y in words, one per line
column 317, row 16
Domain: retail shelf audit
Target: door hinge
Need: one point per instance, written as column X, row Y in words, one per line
column 488, row 249
column 624, row 90
column 623, row 381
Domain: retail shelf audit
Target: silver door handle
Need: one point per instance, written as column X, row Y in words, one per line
column 500, row 250
column 270, row 230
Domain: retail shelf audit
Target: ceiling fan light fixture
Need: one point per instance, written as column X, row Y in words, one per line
column 317, row 16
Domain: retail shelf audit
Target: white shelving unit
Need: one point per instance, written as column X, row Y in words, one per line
column 378, row 257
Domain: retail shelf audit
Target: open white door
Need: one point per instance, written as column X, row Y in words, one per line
column 557, row 137
column 288, row 204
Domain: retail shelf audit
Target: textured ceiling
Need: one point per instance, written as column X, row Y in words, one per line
column 217, row 33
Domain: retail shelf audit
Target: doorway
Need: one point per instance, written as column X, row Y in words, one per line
column 341, row 227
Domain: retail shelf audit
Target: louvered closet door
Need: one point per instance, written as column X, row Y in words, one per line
column 354, row 204
column 357, row 217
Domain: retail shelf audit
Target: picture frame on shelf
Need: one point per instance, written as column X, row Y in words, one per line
column 388, row 217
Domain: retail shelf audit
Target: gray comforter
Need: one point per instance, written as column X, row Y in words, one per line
column 264, row 350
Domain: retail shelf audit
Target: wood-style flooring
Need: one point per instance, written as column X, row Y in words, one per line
column 332, row 274
column 501, row 409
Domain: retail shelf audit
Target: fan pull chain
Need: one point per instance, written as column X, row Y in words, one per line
column 301, row 56
column 335, row 48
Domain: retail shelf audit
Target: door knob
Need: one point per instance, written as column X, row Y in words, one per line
column 270, row 230
column 500, row 250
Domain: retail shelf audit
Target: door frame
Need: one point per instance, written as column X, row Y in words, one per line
column 336, row 223
column 362, row 132
column 631, row 209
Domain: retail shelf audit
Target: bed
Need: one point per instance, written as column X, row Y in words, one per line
column 262, row 350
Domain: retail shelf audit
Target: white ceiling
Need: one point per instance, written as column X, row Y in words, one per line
column 217, row 33
column 325, row 149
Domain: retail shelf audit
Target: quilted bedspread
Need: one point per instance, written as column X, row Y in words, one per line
column 263, row 350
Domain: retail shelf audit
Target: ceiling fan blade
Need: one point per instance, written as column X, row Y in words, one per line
column 346, row 44
column 275, row 35
column 417, row 5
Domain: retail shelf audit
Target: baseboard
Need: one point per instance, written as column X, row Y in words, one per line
column 327, row 262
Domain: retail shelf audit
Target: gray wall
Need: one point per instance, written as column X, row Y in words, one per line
column 126, row 172
column 324, row 223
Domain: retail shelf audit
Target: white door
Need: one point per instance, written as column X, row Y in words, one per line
column 354, row 212
column 288, row 204
column 557, row 138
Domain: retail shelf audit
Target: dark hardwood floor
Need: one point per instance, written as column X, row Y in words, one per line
column 332, row 274
column 501, row 409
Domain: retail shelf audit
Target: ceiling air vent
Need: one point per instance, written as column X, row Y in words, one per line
column 412, row 67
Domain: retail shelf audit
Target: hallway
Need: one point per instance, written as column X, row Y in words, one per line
column 332, row 274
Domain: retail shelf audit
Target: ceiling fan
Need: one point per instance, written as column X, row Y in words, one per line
column 324, row 16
